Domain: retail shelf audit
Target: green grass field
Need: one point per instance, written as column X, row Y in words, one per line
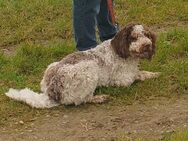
column 41, row 32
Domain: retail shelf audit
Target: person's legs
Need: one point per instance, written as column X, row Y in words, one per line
column 106, row 29
column 84, row 22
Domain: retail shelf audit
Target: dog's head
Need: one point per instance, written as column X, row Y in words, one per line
column 134, row 40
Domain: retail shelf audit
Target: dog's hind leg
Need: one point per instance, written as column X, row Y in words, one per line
column 79, row 82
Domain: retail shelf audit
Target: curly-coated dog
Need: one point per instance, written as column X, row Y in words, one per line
column 74, row 79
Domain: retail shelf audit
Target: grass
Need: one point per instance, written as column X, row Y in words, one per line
column 181, row 135
column 42, row 33
column 152, row 12
column 43, row 20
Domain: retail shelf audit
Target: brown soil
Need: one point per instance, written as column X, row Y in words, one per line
column 105, row 122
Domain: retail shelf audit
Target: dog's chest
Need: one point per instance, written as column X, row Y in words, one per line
column 124, row 73
column 118, row 72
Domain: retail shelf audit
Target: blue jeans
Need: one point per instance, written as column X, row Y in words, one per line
column 87, row 14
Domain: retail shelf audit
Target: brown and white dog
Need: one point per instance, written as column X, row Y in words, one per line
column 74, row 79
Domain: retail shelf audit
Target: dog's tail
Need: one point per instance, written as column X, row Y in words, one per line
column 31, row 98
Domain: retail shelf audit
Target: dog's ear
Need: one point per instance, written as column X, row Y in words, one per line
column 120, row 43
column 153, row 39
column 152, row 36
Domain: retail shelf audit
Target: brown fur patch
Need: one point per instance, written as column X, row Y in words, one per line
column 121, row 42
column 49, row 74
column 152, row 36
column 55, row 88
column 75, row 58
column 81, row 56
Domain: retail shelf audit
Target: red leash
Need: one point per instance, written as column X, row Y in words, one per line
column 111, row 11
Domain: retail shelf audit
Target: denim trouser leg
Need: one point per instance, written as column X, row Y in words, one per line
column 84, row 17
column 106, row 29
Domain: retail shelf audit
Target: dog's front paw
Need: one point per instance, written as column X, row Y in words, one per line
column 143, row 75
column 152, row 74
column 155, row 74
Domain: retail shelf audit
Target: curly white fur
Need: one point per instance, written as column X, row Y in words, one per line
column 34, row 99
column 74, row 79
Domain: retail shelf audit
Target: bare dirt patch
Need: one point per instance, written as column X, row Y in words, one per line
column 8, row 50
column 151, row 120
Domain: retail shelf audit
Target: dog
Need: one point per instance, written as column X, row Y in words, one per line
column 114, row 62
